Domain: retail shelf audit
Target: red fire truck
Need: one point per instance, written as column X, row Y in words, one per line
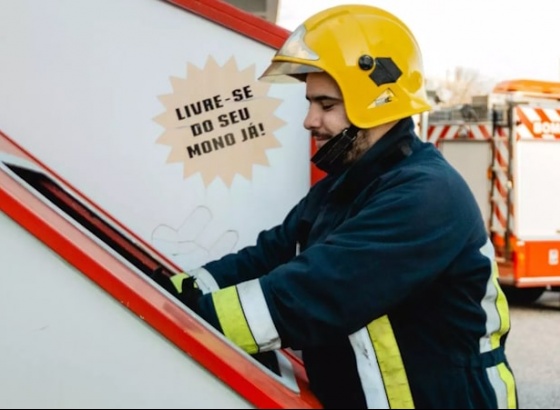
column 507, row 146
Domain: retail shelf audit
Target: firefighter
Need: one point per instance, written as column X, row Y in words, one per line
column 383, row 275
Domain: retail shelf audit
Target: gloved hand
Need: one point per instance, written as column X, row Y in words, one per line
column 180, row 285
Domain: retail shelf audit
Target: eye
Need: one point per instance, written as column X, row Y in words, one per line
column 326, row 106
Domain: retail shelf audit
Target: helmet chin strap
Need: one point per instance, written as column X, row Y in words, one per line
column 330, row 157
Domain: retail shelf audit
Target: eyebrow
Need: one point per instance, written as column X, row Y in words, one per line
column 320, row 98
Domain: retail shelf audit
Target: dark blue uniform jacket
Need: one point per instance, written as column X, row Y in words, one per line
column 397, row 235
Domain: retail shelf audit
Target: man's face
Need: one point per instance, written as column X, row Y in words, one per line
column 326, row 116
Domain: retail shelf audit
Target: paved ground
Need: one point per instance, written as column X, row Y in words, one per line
column 533, row 349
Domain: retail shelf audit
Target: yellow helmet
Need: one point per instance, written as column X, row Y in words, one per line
column 370, row 53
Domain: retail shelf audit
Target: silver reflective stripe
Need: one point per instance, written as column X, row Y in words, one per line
column 258, row 316
column 204, row 279
column 369, row 371
column 489, row 303
column 498, row 385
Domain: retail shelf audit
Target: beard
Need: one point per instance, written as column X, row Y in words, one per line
column 359, row 147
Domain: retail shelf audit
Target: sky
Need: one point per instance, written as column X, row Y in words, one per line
column 498, row 39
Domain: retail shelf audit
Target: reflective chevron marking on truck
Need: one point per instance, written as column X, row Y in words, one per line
column 478, row 132
column 538, row 123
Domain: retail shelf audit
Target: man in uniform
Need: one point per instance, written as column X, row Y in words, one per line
column 383, row 275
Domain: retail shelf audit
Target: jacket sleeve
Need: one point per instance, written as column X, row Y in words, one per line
column 273, row 247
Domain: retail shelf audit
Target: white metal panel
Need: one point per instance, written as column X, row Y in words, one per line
column 537, row 189
column 80, row 86
column 66, row 343
column 472, row 159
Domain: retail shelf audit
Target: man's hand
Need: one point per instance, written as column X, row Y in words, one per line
column 181, row 285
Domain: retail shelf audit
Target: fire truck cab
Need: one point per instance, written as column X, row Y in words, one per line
column 507, row 147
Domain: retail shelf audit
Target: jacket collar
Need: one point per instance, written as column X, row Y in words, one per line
column 398, row 143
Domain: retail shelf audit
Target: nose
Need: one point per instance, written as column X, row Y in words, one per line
column 312, row 119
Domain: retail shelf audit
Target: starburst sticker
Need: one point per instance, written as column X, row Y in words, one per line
column 219, row 121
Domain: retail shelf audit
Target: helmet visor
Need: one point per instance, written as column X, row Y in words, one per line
column 288, row 65
column 284, row 72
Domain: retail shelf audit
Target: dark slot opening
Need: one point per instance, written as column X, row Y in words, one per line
column 89, row 220
column 106, row 233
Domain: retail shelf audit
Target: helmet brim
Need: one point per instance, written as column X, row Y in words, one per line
column 287, row 72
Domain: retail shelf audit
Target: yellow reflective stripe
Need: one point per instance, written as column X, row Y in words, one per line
column 506, row 379
column 232, row 319
column 503, row 309
column 177, row 281
column 494, row 304
column 501, row 306
column 507, row 376
column 391, row 364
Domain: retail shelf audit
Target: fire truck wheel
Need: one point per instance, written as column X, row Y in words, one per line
column 522, row 296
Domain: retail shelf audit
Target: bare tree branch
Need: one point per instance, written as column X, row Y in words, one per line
column 459, row 87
